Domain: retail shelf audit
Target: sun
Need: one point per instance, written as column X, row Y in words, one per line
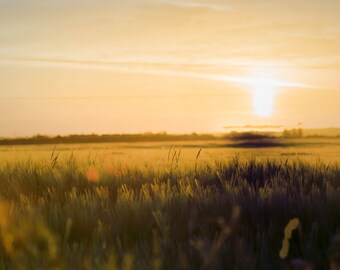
column 263, row 100
column 263, row 90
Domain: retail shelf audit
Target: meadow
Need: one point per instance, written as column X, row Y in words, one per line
column 190, row 205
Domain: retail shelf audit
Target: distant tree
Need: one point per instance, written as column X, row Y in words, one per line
column 293, row 133
column 286, row 133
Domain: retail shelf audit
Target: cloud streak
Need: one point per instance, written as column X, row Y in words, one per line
column 254, row 127
column 186, row 4
column 150, row 69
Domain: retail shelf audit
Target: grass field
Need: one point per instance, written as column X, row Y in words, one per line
column 163, row 206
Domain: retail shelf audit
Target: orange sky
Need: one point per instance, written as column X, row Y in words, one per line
column 83, row 66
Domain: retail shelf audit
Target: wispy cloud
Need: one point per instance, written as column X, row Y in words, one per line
column 254, row 127
column 153, row 70
column 188, row 4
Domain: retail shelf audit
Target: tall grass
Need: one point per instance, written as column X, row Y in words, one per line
column 66, row 213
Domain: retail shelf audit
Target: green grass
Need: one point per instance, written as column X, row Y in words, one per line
column 168, row 210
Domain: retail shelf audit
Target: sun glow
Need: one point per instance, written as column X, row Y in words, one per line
column 263, row 90
column 263, row 101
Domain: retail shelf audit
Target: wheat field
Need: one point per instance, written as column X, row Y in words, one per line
column 164, row 206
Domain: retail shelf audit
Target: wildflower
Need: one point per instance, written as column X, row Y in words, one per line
column 92, row 174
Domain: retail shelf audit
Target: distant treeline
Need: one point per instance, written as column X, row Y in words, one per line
column 263, row 137
column 94, row 138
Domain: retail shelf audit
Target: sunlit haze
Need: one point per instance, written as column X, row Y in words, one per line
column 86, row 66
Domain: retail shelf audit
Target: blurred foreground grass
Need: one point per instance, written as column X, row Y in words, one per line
column 170, row 210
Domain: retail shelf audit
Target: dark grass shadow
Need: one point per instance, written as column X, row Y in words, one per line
column 254, row 140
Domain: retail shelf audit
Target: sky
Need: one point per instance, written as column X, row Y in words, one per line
column 101, row 66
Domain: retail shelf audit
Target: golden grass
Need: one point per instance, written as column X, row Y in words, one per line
column 111, row 206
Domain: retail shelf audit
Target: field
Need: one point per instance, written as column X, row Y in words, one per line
column 170, row 205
